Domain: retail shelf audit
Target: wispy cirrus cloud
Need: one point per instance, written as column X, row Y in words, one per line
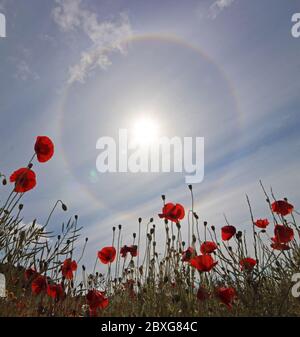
column 218, row 6
column 105, row 36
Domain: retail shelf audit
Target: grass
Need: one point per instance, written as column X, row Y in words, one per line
column 157, row 281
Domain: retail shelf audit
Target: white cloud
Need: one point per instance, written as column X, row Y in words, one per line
column 105, row 36
column 218, row 6
column 23, row 68
column 24, row 72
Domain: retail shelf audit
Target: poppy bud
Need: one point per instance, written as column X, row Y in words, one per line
column 163, row 197
column 58, row 237
column 239, row 234
column 263, row 231
column 114, row 228
column 166, row 221
column 120, row 227
column 151, row 219
column 183, row 243
column 205, row 223
column 76, row 217
column 196, row 215
column 86, row 239
column 4, row 182
column 190, row 187
column 140, row 220
column 213, row 228
column 230, row 248
column 64, row 207
column 30, row 165
column 285, row 199
column 83, row 267
column 267, row 200
column 20, row 207
column 134, row 235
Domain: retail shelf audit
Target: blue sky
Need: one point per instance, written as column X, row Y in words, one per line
column 224, row 70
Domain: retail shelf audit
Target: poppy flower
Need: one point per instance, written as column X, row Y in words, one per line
column 283, row 234
column 262, row 223
column 67, row 268
column 279, row 246
column 172, row 212
column 24, row 179
column 203, row 263
column 39, row 284
column 124, row 250
column 282, row 207
column 133, row 250
column 107, row 255
column 228, row 232
column 188, row 254
column 202, row 294
column 226, row 295
column 96, row 299
column 55, row 291
column 247, row 263
column 208, row 247
column 30, row 273
column 44, row 148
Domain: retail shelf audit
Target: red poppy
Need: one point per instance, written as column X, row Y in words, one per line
column 226, row 295
column 203, row 263
column 247, row 263
column 188, row 254
column 282, row 207
column 172, row 212
column 132, row 250
column 24, row 179
column 39, row 284
column 56, row 291
column 262, row 223
column 124, row 250
column 96, row 299
column 30, row 274
column 67, row 268
column 228, row 232
column 107, row 255
column 283, row 234
column 202, row 294
column 208, row 247
column 279, row 246
column 44, row 148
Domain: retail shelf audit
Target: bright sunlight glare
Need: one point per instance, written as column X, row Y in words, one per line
column 145, row 131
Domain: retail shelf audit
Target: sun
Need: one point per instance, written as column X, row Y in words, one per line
column 145, row 131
